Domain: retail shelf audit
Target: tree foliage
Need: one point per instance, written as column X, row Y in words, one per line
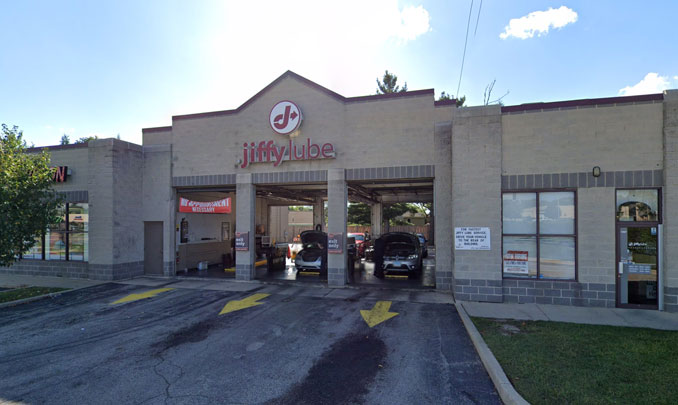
column 359, row 214
column 300, row 208
column 65, row 139
column 27, row 202
column 86, row 139
column 391, row 211
column 389, row 84
column 446, row 96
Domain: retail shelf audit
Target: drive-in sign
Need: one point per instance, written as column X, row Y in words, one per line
column 285, row 117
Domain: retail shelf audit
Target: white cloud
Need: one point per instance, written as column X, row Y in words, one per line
column 539, row 22
column 651, row 83
column 675, row 77
column 414, row 21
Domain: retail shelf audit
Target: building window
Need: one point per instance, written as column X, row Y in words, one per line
column 66, row 240
column 539, row 235
column 639, row 205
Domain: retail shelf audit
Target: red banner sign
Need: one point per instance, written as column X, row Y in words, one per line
column 210, row 207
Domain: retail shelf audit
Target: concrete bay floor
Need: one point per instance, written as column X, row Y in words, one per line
column 301, row 345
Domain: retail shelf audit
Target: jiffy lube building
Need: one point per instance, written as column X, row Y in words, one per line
column 570, row 203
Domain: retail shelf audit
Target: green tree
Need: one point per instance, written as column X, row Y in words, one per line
column 445, row 96
column 391, row 211
column 86, row 139
column 65, row 139
column 300, row 208
column 389, row 84
column 27, row 202
column 359, row 214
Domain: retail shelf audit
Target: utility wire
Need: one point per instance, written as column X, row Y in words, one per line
column 478, row 19
column 463, row 57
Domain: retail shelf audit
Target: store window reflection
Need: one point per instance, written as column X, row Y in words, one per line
column 67, row 239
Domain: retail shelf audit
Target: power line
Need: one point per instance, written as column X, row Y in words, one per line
column 480, row 7
column 463, row 57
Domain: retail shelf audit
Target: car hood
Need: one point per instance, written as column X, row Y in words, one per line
column 313, row 237
column 400, row 238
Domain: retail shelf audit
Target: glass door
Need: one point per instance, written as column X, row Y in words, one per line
column 637, row 261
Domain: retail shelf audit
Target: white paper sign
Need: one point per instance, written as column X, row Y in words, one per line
column 515, row 261
column 472, row 238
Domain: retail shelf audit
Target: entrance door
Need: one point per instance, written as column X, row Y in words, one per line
column 153, row 248
column 637, row 266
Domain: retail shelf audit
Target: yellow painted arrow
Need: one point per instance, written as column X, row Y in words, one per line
column 378, row 314
column 246, row 302
column 141, row 296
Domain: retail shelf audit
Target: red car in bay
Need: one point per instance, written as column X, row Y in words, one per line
column 360, row 239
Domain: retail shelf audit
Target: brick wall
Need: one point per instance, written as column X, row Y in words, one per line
column 671, row 200
column 476, row 189
column 559, row 293
column 48, row 268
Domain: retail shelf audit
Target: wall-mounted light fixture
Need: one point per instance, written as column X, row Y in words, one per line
column 596, row 171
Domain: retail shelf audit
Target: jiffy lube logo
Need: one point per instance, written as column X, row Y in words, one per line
column 285, row 117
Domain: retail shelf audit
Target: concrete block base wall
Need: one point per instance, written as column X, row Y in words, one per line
column 559, row 293
column 548, row 292
column 118, row 271
column 671, row 299
column 53, row 268
column 169, row 268
column 478, row 290
column 48, row 268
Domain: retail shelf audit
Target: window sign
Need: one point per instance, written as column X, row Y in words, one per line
column 515, row 261
column 637, row 268
column 472, row 238
column 335, row 243
column 242, row 241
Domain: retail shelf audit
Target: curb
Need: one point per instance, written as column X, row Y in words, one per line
column 39, row 297
column 508, row 394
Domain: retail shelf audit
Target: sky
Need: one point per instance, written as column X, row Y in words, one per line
column 110, row 68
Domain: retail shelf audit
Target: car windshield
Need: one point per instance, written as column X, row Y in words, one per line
column 356, row 236
column 313, row 245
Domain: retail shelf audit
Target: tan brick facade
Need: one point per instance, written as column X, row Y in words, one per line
column 470, row 156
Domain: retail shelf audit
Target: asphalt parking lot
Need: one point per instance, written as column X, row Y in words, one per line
column 163, row 343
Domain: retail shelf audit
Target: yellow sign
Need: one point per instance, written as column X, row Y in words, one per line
column 141, row 296
column 378, row 314
column 246, row 302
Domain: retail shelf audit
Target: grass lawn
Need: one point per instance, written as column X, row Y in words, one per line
column 21, row 293
column 567, row 363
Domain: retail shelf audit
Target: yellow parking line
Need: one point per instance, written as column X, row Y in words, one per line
column 232, row 269
column 308, row 273
column 395, row 276
column 260, row 263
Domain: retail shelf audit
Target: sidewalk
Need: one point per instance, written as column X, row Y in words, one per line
column 638, row 318
column 14, row 281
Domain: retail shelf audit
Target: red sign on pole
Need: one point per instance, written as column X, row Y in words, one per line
column 222, row 206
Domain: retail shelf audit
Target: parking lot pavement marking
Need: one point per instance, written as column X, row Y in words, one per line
column 378, row 314
column 246, row 302
column 141, row 296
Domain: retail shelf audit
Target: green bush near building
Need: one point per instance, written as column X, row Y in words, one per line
column 566, row 363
